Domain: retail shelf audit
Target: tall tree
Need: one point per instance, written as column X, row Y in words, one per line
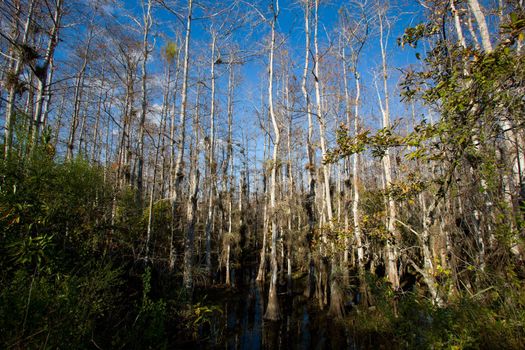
column 146, row 25
column 272, row 310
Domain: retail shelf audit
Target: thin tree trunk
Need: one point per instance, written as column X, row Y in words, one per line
column 144, row 105
column 44, row 76
column 77, row 98
column 229, row 162
column 261, row 273
column 189, row 245
column 290, row 214
column 211, row 161
column 310, row 196
column 272, row 310
column 457, row 24
column 322, row 122
column 392, row 272
column 482, row 25
column 171, row 184
column 229, row 236
column 152, row 192
column 179, row 172
column 18, row 65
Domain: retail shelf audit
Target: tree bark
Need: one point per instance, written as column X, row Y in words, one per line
column 179, row 172
column 77, row 98
column 211, row 161
column 391, row 263
column 189, row 244
column 44, row 76
column 18, row 65
column 310, row 150
column 144, row 103
column 273, row 312
column 482, row 25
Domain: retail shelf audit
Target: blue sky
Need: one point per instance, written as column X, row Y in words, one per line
column 252, row 76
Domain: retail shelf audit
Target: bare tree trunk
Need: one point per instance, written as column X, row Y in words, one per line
column 152, row 192
column 123, row 148
column 457, row 24
column 229, row 165
column 58, row 122
column 261, row 273
column 310, row 197
column 229, row 236
column 97, row 123
column 189, row 245
column 144, row 105
column 272, row 310
column 179, row 174
column 211, row 160
column 172, row 128
column 290, row 214
column 158, row 150
column 18, row 65
column 519, row 42
column 165, row 115
column 77, row 98
column 82, row 142
column 391, row 263
column 322, row 122
column 44, row 76
column 177, row 170
column 347, row 164
column 47, row 96
column 326, row 205
column 482, row 25
column 171, row 184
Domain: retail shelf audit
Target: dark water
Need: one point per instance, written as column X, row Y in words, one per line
column 301, row 327
column 242, row 326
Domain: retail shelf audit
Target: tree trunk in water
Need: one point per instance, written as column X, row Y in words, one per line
column 261, row 273
column 273, row 312
column 310, row 197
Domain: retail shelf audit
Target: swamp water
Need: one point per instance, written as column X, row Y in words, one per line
column 241, row 324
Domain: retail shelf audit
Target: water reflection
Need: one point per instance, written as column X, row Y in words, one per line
column 301, row 327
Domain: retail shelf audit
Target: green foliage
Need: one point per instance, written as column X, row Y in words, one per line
column 171, row 51
column 149, row 325
column 56, row 288
column 206, row 318
column 30, row 251
column 44, row 199
column 58, row 307
column 413, row 35
column 412, row 322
